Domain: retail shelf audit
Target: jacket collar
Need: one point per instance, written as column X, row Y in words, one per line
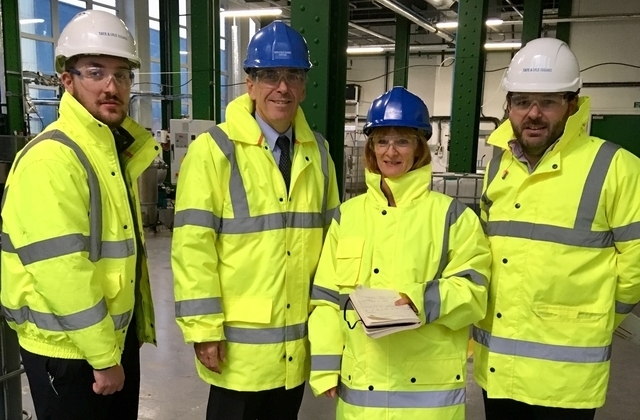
column 242, row 126
column 576, row 124
column 405, row 189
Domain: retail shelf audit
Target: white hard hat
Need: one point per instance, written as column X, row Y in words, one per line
column 543, row 65
column 96, row 32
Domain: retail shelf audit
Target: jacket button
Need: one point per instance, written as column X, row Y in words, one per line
column 375, row 270
column 289, row 253
column 284, row 356
column 370, row 387
column 290, row 358
column 99, row 125
column 266, row 147
column 413, row 380
column 492, row 370
column 504, row 260
column 151, row 325
column 384, row 212
column 517, row 205
column 281, row 199
column 125, row 226
column 306, row 158
column 288, row 305
column 555, row 166
column 131, row 281
column 349, row 377
column 155, row 147
column 457, row 377
column 113, row 174
column 499, row 315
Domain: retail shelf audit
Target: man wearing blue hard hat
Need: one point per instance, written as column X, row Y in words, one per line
column 255, row 196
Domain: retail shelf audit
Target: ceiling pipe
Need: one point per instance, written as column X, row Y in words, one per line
column 390, row 48
column 515, row 9
column 580, row 19
column 370, row 32
column 441, row 4
column 404, row 11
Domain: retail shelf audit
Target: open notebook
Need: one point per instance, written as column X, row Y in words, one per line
column 379, row 314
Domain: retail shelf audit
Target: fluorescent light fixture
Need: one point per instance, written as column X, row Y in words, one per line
column 183, row 53
column 502, row 45
column 364, row 50
column 454, row 24
column 251, row 13
column 28, row 21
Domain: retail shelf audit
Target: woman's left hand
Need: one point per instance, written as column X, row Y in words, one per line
column 405, row 300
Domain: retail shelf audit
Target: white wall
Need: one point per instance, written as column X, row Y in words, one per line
column 592, row 42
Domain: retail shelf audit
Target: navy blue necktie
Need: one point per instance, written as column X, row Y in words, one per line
column 284, row 144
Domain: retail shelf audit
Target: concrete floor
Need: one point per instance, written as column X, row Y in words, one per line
column 171, row 389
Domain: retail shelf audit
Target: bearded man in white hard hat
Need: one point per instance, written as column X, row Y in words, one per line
column 75, row 284
column 562, row 213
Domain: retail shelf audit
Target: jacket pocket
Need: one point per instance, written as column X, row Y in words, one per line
column 347, row 369
column 247, row 309
column 112, row 285
column 434, row 371
column 562, row 313
column 348, row 261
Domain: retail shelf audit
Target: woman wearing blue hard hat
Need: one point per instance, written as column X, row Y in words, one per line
column 427, row 247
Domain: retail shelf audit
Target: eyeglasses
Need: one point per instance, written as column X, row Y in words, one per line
column 398, row 144
column 272, row 77
column 101, row 76
column 546, row 102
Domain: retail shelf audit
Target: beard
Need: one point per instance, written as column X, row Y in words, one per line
column 536, row 146
column 111, row 118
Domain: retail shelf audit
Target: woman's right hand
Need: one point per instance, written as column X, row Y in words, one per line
column 332, row 393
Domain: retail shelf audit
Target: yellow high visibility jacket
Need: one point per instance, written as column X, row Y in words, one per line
column 68, row 243
column 244, row 251
column 565, row 242
column 430, row 247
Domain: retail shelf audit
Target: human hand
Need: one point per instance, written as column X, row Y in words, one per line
column 210, row 354
column 331, row 393
column 109, row 380
column 405, row 300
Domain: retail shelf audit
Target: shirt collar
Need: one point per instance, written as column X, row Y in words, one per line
column 271, row 135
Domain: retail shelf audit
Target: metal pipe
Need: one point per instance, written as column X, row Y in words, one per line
column 580, row 19
column 515, row 9
column 10, row 375
column 383, row 48
column 370, row 32
column 403, row 10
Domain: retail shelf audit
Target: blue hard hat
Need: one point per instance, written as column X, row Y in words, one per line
column 277, row 45
column 398, row 108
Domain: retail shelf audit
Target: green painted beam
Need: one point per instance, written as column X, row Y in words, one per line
column 401, row 59
column 468, row 78
column 13, row 67
column 563, row 30
column 170, row 58
column 217, row 64
column 324, row 25
column 532, row 24
column 202, row 59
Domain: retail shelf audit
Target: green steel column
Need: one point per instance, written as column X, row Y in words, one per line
column 170, row 58
column 401, row 59
column 532, row 25
column 563, row 31
column 324, row 26
column 467, row 85
column 205, row 52
column 13, row 66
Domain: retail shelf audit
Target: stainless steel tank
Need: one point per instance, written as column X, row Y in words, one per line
column 148, row 190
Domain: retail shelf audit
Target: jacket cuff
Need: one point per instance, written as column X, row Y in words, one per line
column 107, row 360
column 322, row 382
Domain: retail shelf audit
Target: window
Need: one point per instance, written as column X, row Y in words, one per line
column 35, row 17
column 67, row 9
column 37, row 56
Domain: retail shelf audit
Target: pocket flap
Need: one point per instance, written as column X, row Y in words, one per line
column 435, row 371
column 567, row 313
column 247, row 309
column 112, row 284
column 350, row 248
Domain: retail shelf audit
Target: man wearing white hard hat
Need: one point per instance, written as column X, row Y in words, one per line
column 562, row 214
column 75, row 284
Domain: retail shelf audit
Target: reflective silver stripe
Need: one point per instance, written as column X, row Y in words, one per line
column 594, row 186
column 195, row 307
column 432, row 301
column 254, row 224
column 627, row 233
column 45, row 321
column 237, row 191
column 321, row 293
column 548, row 233
column 49, row 248
column 473, row 276
column 494, row 167
column 121, row 321
column 95, row 198
column 319, row 363
column 305, row 220
column 194, row 217
column 337, row 214
column 551, row 352
column 265, row 335
column 324, row 163
column 401, row 399
column 4, row 196
column 624, row 308
column 344, row 301
column 484, row 226
column 117, row 249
